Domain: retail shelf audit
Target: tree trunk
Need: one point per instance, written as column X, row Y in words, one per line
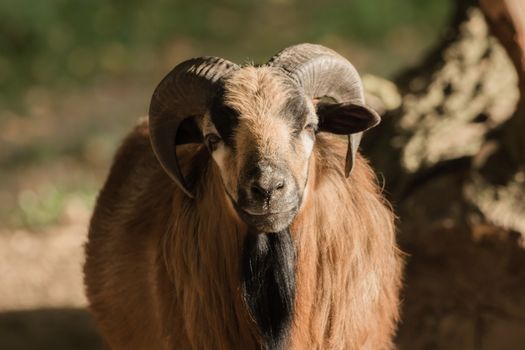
column 453, row 156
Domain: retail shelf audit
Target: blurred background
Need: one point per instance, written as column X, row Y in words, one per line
column 76, row 75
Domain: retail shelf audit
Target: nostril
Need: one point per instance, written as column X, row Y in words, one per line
column 256, row 190
column 265, row 189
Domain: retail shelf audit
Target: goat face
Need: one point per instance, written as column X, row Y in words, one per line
column 260, row 130
column 259, row 124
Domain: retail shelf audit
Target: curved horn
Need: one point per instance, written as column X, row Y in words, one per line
column 185, row 92
column 322, row 72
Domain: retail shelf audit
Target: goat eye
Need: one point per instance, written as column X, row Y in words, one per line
column 311, row 127
column 212, row 141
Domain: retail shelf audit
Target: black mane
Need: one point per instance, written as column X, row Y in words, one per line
column 268, row 277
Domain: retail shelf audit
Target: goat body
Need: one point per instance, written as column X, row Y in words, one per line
column 163, row 271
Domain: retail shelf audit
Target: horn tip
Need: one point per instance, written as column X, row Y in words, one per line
column 348, row 168
column 188, row 193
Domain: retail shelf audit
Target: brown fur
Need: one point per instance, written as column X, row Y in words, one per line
column 162, row 271
column 260, row 128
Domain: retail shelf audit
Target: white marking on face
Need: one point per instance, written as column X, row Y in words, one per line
column 305, row 195
column 308, row 143
column 220, row 154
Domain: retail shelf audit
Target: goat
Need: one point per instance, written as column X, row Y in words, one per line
column 228, row 220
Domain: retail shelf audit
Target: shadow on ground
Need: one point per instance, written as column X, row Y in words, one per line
column 57, row 329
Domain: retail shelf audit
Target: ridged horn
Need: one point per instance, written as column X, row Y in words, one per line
column 184, row 93
column 322, row 72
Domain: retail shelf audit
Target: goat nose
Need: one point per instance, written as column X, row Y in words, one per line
column 266, row 188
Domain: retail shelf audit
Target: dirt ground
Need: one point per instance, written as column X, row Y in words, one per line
column 42, row 303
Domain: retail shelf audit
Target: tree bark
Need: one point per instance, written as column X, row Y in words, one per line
column 507, row 21
column 453, row 155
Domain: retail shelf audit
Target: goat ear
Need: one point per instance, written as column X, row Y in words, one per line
column 346, row 118
column 189, row 132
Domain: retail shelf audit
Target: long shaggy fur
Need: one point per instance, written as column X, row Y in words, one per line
column 268, row 271
column 164, row 271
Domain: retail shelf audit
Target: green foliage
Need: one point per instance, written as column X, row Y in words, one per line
column 58, row 42
column 46, row 206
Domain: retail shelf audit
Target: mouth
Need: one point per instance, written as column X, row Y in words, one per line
column 264, row 213
column 266, row 222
